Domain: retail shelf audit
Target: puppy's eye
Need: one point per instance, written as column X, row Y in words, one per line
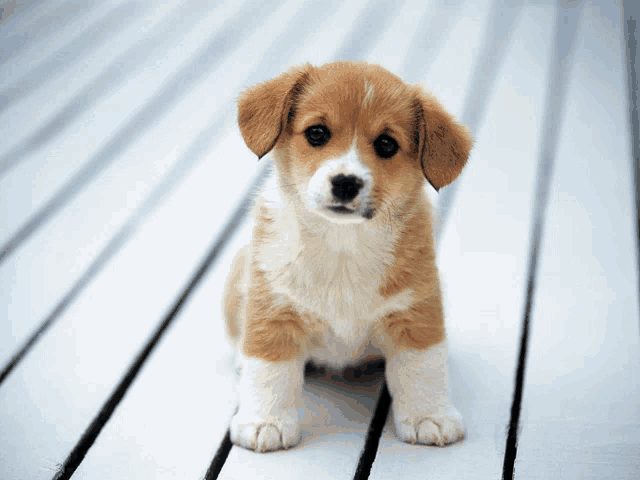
column 385, row 146
column 317, row 135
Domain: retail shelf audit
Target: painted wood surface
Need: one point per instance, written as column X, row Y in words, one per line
column 121, row 166
column 581, row 407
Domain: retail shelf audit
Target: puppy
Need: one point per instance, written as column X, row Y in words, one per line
column 341, row 264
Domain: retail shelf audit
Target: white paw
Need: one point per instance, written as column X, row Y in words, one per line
column 274, row 432
column 441, row 428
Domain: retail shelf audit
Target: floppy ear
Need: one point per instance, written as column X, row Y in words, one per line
column 265, row 109
column 443, row 143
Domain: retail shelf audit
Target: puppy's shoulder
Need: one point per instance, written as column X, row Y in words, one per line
column 414, row 259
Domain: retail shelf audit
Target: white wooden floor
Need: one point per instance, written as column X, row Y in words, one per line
column 121, row 169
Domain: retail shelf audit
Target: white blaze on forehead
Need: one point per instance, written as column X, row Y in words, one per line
column 368, row 92
column 350, row 163
column 318, row 191
column 351, row 159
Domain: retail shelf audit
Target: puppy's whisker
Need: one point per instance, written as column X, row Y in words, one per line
column 279, row 187
column 290, row 200
column 389, row 210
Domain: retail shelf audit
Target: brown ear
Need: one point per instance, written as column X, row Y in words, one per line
column 265, row 109
column 443, row 143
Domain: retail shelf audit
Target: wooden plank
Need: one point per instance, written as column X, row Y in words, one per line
column 38, row 58
column 53, row 394
column 35, row 278
column 581, row 404
column 78, row 51
column 482, row 259
column 632, row 58
column 83, row 356
column 78, row 75
column 176, row 413
column 13, row 13
column 32, row 36
column 96, row 136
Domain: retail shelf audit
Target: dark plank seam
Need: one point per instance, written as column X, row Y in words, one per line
column 162, row 37
column 220, row 458
column 206, row 59
column 82, row 45
column 631, row 12
column 566, row 26
column 89, row 436
column 370, row 450
column 192, row 157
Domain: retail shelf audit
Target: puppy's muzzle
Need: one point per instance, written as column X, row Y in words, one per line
column 345, row 187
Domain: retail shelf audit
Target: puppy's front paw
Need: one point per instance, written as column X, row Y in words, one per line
column 273, row 432
column 439, row 428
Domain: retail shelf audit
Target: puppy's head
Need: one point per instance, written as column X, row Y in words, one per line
column 352, row 139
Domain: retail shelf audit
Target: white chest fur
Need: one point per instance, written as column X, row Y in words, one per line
column 331, row 273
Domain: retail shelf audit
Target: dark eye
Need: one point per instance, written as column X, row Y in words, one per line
column 317, row 135
column 385, row 146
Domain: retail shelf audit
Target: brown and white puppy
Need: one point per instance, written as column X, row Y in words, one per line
column 341, row 264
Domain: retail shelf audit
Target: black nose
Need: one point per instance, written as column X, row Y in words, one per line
column 345, row 187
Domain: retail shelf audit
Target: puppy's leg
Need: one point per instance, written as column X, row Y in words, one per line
column 422, row 411
column 270, row 387
column 270, row 405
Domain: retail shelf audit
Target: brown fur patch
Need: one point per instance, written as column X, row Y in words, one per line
column 272, row 332
column 444, row 144
column 422, row 325
column 265, row 109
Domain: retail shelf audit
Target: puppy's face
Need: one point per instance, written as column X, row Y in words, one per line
column 349, row 148
column 352, row 141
